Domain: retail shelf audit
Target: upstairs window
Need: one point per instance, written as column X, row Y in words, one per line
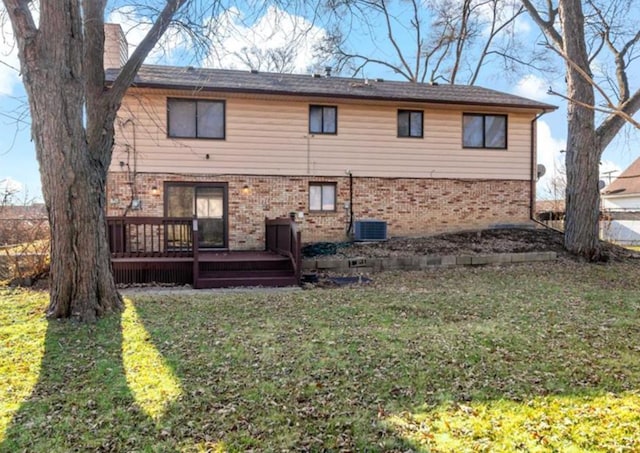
column 484, row 131
column 190, row 118
column 410, row 123
column 323, row 119
column 322, row 196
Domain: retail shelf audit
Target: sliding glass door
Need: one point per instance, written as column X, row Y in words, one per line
column 211, row 216
column 208, row 202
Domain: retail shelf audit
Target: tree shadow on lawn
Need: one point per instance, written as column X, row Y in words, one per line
column 83, row 400
column 103, row 388
column 266, row 375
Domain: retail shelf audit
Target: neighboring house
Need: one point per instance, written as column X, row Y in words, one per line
column 621, row 207
column 235, row 147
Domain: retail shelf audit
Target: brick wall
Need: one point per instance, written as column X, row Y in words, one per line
column 411, row 207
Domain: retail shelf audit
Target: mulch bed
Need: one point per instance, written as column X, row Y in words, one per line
column 508, row 240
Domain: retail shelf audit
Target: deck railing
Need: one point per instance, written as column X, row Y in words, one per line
column 283, row 237
column 150, row 236
column 177, row 237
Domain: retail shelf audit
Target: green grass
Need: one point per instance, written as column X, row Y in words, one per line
column 530, row 358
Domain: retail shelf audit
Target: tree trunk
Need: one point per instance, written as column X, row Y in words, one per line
column 73, row 181
column 583, row 148
column 72, row 125
column 82, row 286
column 581, row 235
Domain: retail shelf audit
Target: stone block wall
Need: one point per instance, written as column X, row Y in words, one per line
column 411, row 207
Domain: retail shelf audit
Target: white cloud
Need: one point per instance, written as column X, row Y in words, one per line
column 277, row 41
column 8, row 185
column 532, row 87
column 550, row 156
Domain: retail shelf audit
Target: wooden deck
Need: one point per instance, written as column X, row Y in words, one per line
column 278, row 265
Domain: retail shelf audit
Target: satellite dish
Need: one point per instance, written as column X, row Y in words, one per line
column 541, row 170
column 601, row 184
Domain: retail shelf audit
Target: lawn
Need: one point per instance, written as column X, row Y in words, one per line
column 529, row 358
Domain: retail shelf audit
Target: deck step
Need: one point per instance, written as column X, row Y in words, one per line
column 241, row 256
column 245, row 266
column 230, row 282
column 243, row 261
column 233, row 273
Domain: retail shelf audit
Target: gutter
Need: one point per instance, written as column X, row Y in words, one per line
column 324, row 94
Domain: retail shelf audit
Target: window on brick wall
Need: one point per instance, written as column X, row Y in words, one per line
column 410, row 123
column 484, row 131
column 190, row 118
column 322, row 196
column 323, row 119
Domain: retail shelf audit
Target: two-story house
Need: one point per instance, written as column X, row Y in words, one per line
column 233, row 147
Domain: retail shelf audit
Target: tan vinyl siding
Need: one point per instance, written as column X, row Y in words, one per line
column 269, row 136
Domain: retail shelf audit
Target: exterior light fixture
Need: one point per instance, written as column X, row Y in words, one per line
column 155, row 191
column 246, row 190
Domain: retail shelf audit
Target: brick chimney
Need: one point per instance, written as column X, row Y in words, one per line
column 116, row 49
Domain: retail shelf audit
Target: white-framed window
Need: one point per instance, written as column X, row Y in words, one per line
column 322, row 196
column 194, row 118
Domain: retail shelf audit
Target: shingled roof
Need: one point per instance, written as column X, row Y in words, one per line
column 627, row 183
column 189, row 78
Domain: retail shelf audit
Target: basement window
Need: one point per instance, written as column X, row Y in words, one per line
column 190, row 118
column 322, row 196
column 484, row 131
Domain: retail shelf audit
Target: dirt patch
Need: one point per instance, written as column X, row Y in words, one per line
column 511, row 240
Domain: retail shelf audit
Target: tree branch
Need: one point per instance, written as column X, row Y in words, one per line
column 492, row 35
column 130, row 69
column 416, row 25
column 24, row 27
column 614, row 112
column 587, row 77
column 93, row 58
column 394, row 43
column 367, row 60
column 607, row 131
column 546, row 25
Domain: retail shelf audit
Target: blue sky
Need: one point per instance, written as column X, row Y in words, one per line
column 19, row 168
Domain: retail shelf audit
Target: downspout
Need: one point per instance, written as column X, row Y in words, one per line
column 350, row 226
column 532, row 196
column 350, row 202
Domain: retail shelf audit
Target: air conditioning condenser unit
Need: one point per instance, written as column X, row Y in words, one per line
column 370, row 230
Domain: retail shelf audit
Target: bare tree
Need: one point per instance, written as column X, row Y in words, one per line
column 451, row 40
column 277, row 41
column 61, row 61
column 591, row 37
column 556, row 184
column 24, row 235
